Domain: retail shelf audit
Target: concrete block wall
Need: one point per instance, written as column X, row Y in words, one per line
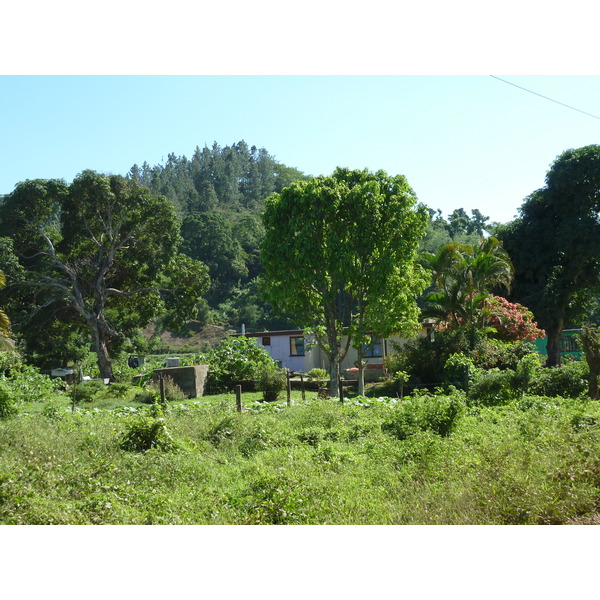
column 190, row 379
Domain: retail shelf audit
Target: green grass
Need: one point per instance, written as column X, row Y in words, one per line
column 318, row 462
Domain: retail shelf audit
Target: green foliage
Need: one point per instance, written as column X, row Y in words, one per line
column 271, row 381
column 492, row 387
column 463, row 275
column 148, row 394
column 100, row 257
column 570, row 380
column 173, row 393
column 29, row 385
column 457, row 370
column 339, row 255
column 10, row 361
column 495, row 387
column 439, row 414
column 147, row 432
column 9, row 404
column 317, row 375
column 555, row 244
column 233, row 360
column 87, row 391
column 532, row 461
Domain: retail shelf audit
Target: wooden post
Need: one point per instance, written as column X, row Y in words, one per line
column 302, row 387
column 238, row 398
column 289, row 387
column 341, row 390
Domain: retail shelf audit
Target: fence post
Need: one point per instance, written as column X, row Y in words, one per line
column 341, row 390
column 302, row 386
column 238, row 398
column 288, row 387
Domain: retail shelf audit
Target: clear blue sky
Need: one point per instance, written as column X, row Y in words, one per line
column 462, row 141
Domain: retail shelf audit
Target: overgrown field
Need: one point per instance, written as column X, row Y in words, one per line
column 424, row 460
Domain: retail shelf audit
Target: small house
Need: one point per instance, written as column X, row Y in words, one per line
column 297, row 351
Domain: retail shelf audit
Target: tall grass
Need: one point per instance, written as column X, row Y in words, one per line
column 319, row 462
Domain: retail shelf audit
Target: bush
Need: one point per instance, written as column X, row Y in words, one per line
column 493, row 387
column 317, row 375
column 438, row 414
column 10, row 361
column 9, row 406
column 87, row 391
column 569, row 381
column 29, row 385
column 146, row 433
column 147, row 395
column 233, row 360
column 271, row 382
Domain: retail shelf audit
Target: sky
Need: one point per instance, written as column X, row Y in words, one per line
column 470, row 141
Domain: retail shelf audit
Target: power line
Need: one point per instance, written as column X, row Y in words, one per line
column 545, row 97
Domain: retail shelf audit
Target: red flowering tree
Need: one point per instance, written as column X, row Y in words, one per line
column 513, row 322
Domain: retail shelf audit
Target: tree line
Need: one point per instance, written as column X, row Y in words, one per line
column 233, row 236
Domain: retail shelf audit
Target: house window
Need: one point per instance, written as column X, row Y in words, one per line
column 373, row 349
column 266, row 341
column 297, row 346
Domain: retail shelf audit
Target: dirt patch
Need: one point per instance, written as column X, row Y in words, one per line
column 197, row 336
column 593, row 519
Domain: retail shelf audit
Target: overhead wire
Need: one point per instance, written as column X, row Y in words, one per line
column 545, row 97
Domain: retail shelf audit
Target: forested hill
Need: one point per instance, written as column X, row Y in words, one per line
column 234, row 179
column 220, row 193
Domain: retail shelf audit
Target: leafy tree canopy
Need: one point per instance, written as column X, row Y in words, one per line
column 555, row 245
column 100, row 254
column 339, row 254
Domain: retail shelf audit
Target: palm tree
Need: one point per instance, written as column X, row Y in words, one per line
column 464, row 275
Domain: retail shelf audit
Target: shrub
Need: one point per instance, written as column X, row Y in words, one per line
column 118, row 390
column 9, row 406
column 569, row 381
column 438, row 414
column 271, row 382
column 147, row 395
column 492, row 387
column 317, row 375
column 29, row 385
column 233, row 360
column 10, row 361
column 512, row 321
column 457, row 370
column 87, row 391
column 148, row 432
column 490, row 353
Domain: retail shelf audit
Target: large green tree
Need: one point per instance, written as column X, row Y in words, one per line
column 100, row 254
column 555, row 245
column 337, row 249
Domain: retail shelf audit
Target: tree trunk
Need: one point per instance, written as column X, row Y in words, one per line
column 101, row 350
column 334, row 373
column 553, row 334
column 361, row 373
